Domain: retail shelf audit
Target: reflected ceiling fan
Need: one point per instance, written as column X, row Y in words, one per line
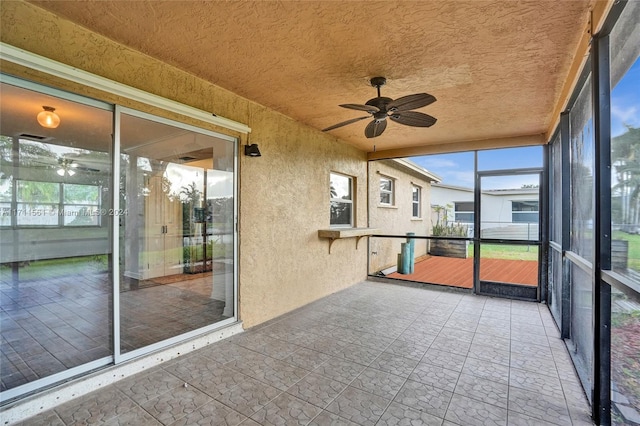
column 69, row 166
column 399, row 110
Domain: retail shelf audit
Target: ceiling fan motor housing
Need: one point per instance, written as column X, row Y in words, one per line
column 381, row 103
column 378, row 81
column 399, row 111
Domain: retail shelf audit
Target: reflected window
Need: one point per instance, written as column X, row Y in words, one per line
column 625, row 214
column 341, row 199
column 55, row 245
column 43, row 204
column 625, row 145
column 582, row 167
column 37, row 203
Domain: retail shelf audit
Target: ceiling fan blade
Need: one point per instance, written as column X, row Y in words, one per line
column 409, row 102
column 52, row 164
column 413, row 118
column 375, row 128
column 368, row 108
column 87, row 169
column 344, row 123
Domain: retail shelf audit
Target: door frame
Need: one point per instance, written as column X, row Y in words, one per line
column 490, row 288
column 118, row 356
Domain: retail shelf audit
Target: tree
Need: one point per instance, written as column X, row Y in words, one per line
column 625, row 158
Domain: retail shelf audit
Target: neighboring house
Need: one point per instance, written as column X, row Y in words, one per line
column 399, row 202
column 506, row 213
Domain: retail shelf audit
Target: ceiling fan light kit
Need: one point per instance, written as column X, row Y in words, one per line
column 69, row 167
column 399, row 111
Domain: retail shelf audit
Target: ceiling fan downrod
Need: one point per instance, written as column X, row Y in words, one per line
column 378, row 82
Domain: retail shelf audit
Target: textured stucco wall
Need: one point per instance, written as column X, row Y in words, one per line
column 396, row 219
column 284, row 195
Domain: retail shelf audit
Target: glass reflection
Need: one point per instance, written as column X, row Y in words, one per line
column 625, row 356
column 582, row 166
column 625, row 215
column 177, row 231
column 55, row 256
column 625, row 150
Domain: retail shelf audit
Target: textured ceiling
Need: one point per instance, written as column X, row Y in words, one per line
column 496, row 67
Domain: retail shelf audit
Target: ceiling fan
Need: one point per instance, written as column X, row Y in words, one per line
column 399, row 110
column 66, row 166
column 69, row 166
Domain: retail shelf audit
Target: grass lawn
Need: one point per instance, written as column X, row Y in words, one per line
column 52, row 268
column 634, row 248
column 511, row 252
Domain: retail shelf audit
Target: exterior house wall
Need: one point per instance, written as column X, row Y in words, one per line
column 445, row 196
column 496, row 206
column 283, row 195
column 396, row 219
column 497, row 209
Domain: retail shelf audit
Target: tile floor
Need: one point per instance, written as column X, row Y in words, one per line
column 52, row 324
column 374, row 354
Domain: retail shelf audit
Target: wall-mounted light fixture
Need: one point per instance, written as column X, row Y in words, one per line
column 48, row 118
column 252, row 150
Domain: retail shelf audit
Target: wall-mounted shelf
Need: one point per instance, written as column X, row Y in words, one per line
column 340, row 233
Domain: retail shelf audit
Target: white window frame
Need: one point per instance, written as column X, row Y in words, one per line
column 342, row 200
column 55, row 210
column 523, row 212
column 416, row 189
column 456, row 212
column 391, row 192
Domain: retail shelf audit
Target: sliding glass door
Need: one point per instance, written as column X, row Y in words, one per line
column 55, row 256
column 117, row 234
column 177, row 230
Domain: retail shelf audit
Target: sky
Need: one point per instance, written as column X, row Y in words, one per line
column 625, row 101
column 457, row 169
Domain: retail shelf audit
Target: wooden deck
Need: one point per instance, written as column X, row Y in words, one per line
column 459, row 272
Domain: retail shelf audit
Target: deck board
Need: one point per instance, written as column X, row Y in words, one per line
column 459, row 272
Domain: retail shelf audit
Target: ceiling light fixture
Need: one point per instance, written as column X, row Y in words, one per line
column 48, row 118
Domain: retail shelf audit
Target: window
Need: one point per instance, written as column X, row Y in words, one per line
column 81, row 205
column 524, row 211
column 464, row 212
column 40, row 204
column 37, row 203
column 416, row 201
column 625, row 214
column 341, row 193
column 387, row 187
column 44, row 196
